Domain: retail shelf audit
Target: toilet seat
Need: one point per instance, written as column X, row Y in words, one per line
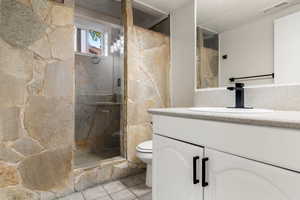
column 145, row 147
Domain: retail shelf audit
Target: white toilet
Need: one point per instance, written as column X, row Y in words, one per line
column 144, row 152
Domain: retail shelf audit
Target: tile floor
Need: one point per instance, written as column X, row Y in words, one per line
column 131, row 188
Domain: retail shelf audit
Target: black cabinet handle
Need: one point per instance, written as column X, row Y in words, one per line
column 204, row 182
column 195, row 180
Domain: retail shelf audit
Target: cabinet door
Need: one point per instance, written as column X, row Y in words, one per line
column 235, row 178
column 173, row 170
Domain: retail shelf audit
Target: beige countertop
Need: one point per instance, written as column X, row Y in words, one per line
column 282, row 119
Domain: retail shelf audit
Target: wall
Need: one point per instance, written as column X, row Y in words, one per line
column 37, row 99
column 250, row 49
column 147, row 68
column 162, row 27
column 278, row 97
column 287, row 47
column 183, row 55
column 148, row 84
column 92, row 78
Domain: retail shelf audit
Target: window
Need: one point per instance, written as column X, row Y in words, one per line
column 91, row 42
column 95, row 39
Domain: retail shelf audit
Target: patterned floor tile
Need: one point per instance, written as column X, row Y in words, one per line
column 146, row 197
column 131, row 188
column 113, row 187
column 104, row 198
column 140, row 190
column 142, row 176
column 94, row 193
column 123, row 195
column 132, row 181
column 74, row 196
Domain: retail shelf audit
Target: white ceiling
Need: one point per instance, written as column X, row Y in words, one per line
column 221, row 15
column 164, row 6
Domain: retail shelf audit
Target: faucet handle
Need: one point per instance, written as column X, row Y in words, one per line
column 231, row 88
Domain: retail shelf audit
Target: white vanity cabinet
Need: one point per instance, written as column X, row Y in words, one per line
column 176, row 170
column 177, row 165
column 234, row 178
column 230, row 171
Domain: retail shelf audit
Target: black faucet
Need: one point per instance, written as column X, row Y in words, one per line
column 239, row 95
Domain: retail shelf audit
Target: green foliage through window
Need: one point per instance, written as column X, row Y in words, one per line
column 96, row 35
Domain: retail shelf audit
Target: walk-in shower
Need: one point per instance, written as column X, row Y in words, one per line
column 100, row 76
column 98, row 80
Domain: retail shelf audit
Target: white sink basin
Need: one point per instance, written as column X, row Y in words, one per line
column 229, row 110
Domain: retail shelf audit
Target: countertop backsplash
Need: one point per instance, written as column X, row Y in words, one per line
column 277, row 97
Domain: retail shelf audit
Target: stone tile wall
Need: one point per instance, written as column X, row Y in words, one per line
column 207, row 68
column 147, row 82
column 147, row 71
column 107, row 170
column 94, row 79
column 207, row 64
column 36, row 99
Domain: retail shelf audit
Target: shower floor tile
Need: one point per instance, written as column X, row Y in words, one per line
column 84, row 158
